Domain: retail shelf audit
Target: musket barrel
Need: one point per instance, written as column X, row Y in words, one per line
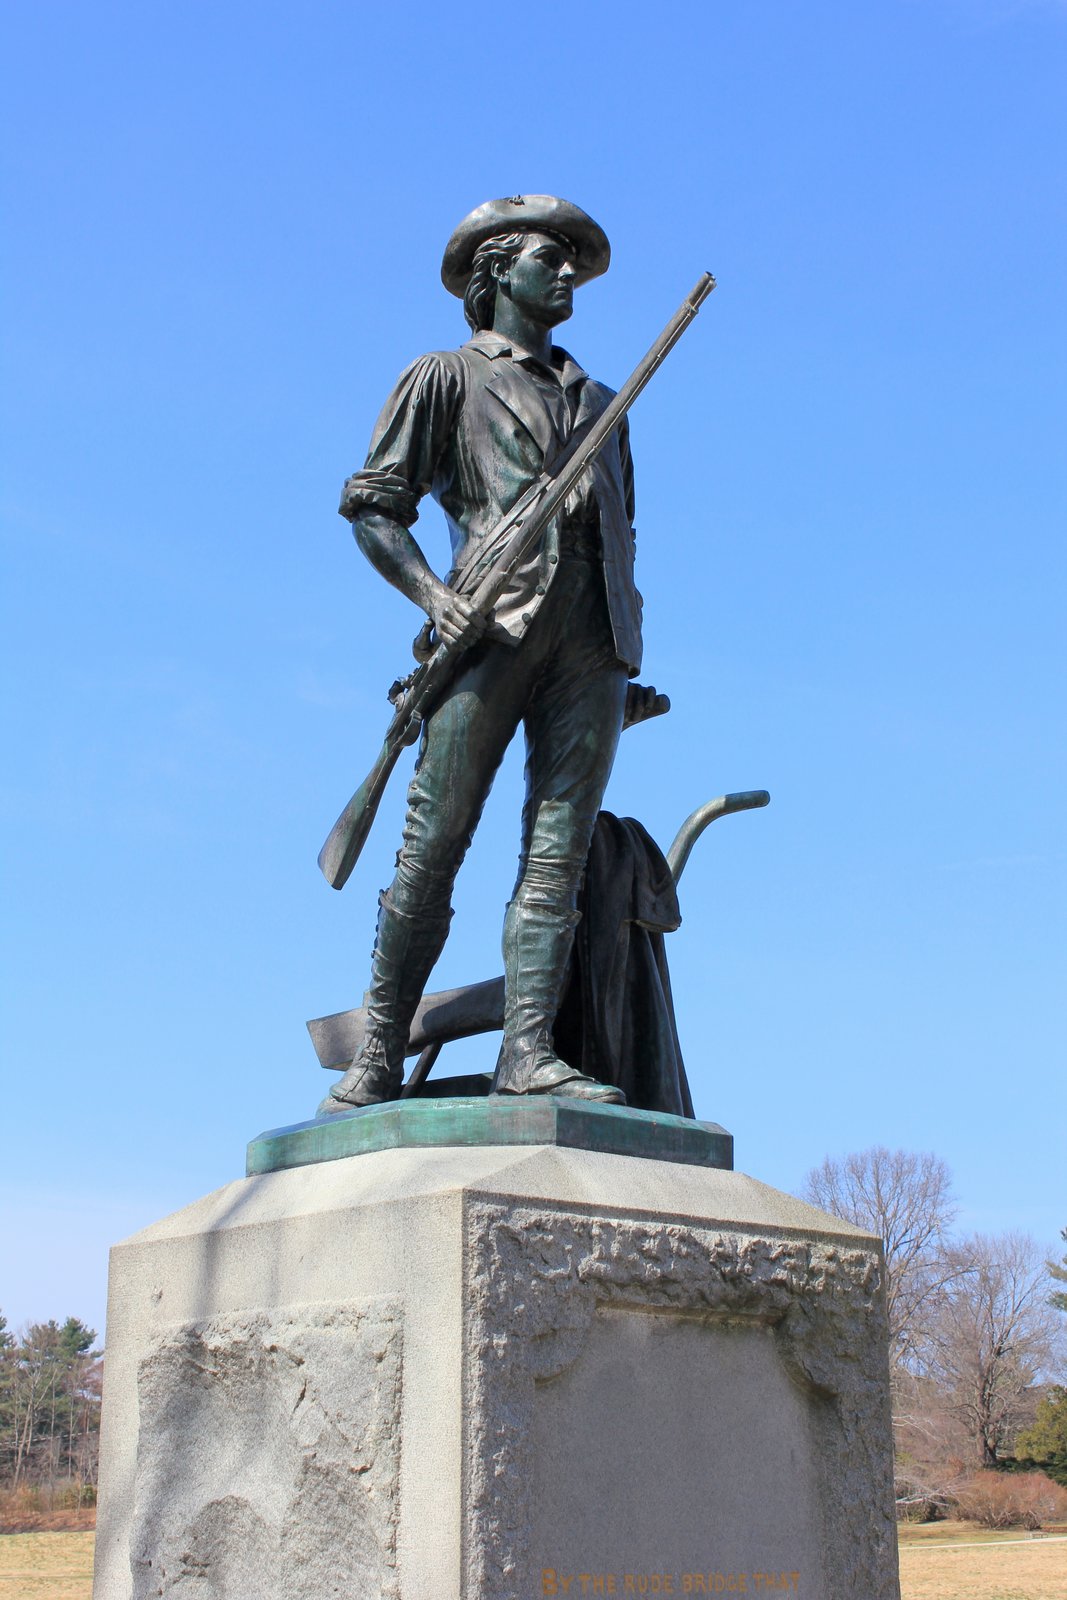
column 589, row 447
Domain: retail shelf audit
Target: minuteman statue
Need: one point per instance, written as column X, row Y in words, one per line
column 475, row 427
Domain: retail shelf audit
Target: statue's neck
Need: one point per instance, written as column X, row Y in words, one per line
column 518, row 329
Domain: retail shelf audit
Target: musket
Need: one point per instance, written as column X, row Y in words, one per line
column 515, row 534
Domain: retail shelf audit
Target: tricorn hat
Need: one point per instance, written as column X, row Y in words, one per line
column 531, row 212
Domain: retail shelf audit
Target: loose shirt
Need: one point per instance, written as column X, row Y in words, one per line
column 475, row 427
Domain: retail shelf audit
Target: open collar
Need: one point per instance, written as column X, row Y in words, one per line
column 494, row 345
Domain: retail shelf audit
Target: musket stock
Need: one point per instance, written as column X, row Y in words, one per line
column 511, row 540
column 349, row 833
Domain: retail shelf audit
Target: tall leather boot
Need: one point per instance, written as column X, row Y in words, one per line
column 406, row 947
column 538, row 940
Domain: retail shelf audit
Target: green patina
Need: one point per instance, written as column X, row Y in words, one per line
column 493, row 1120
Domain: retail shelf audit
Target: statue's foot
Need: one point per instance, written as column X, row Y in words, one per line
column 330, row 1106
column 369, row 1081
column 553, row 1076
column 582, row 1088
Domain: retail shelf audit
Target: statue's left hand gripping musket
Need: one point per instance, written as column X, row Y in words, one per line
column 511, row 539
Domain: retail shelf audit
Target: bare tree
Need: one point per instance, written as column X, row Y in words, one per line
column 906, row 1198
column 990, row 1335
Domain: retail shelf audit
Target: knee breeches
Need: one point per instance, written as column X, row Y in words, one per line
column 564, row 682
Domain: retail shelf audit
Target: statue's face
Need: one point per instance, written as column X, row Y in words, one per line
column 541, row 280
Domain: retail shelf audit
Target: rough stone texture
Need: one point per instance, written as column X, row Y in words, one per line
column 268, row 1456
column 443, row 1372
column 821, row 1303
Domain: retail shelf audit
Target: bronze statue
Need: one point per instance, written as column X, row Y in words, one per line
column 481, row 428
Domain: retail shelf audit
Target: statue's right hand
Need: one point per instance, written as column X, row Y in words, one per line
column 455, row 619
column 350, row 500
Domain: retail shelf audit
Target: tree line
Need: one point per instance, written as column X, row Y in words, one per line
column 50, row 1380
column 978, row 1344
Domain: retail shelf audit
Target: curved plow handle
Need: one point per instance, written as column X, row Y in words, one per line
column 694, row 825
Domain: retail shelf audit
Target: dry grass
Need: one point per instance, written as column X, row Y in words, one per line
column 944, row 1561
column 960, row 1561
column 46, row 1566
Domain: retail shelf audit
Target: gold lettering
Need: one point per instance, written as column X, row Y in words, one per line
column 628, row 1584
column 796, row 1579
column 611, row 1583
column 548, row 1581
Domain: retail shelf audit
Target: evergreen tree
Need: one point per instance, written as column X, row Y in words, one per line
column 1059, row 1272
column 1045, row 1443
column 49, row 1406
column 7, row 1400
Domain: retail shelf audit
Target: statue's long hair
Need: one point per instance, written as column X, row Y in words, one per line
column 479, row 301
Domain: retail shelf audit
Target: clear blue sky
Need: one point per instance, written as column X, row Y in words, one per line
column 225, row 228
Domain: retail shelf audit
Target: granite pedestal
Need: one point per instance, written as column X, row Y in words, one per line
column 496, row 1370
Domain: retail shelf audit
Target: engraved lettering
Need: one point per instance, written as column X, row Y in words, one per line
column 556, row 1583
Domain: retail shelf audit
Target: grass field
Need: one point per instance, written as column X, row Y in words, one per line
column 46, row 1566
column 948, row 1561
column 957, row 1561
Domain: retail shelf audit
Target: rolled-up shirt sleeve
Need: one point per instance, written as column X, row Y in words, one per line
column 409, row 439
